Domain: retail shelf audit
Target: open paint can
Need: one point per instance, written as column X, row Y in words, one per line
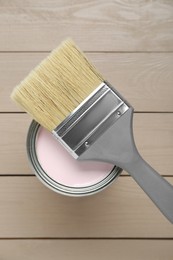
column 58, row 170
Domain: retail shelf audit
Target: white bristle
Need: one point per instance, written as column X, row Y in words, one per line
column 57, row 85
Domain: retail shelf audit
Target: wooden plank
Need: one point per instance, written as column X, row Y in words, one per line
column 29, row 209
column 13, row 132
column 153, row 134
column 95, row 25
column 144, row 79
column 86, row 249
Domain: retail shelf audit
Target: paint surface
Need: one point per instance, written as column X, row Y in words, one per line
column 63, row 168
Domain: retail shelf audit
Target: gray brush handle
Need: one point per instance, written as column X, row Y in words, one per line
column 117, row 146
column 155, row 186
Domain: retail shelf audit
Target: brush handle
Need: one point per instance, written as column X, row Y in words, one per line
column 117, row 146
column 155, row 186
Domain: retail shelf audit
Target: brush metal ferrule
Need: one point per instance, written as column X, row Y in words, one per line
column 90, row 119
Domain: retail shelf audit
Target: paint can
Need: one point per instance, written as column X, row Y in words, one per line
column 79, row 189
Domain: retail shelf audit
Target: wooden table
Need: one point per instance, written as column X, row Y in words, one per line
column 131, row 43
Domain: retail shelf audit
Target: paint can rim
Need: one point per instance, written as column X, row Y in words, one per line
column 52, row 184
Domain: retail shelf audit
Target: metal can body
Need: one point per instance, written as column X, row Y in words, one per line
column 56, row 186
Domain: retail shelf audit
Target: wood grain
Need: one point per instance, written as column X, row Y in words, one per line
column 13, row 132
column 95, row 25
column 86, row 249
column 123, row 210
column 144, row 79
column 153, row 134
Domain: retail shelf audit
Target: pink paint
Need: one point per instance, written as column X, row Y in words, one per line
column 64, row 169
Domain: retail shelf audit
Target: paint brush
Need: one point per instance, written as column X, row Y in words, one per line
column 68, row 96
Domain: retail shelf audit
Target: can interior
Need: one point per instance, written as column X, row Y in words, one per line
column 50, row 182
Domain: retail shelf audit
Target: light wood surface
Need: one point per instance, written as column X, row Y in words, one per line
column 29, row 209
column 131, row 43
column 95, row 25
column 86, row 249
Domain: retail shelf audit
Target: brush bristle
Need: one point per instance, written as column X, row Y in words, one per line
column 57, row 86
